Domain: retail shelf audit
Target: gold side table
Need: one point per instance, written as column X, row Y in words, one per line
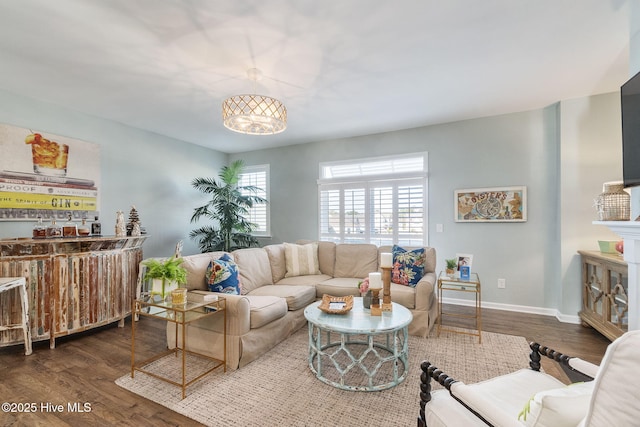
column 456, row 284
column 181, row 315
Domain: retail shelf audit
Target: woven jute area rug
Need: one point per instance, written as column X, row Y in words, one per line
column 279, row 389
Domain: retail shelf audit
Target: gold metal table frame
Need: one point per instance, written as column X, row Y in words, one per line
column 456, row 284
column 181, row 315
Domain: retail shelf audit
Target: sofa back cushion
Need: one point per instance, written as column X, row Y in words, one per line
column 277, row 261
column 255, row 270
column 355, row 260
column 301, row 260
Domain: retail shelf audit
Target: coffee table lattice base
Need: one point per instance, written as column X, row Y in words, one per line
column 359, row 362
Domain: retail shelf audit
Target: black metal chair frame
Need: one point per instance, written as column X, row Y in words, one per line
column 430, row 372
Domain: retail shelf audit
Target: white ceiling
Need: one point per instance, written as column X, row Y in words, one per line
column 342, row 67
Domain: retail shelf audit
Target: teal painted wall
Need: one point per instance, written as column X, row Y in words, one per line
column 524, row 148
column 562, row 153
column 140, row 168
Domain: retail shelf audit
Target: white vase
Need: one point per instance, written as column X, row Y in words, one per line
column 163, row 287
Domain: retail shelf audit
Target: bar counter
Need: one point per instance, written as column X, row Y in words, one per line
column 73, row 284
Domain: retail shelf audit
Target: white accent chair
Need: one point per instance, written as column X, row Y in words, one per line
column 530, row 398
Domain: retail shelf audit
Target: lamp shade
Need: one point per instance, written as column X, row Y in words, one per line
column 254, row 114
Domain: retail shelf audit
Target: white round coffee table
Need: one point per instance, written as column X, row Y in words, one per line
column 357, row 351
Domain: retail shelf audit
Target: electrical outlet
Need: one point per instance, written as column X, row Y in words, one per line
column 439, row 228
column 502, row 283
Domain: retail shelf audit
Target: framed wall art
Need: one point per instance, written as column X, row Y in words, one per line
column 497, row 204
column 47, row 176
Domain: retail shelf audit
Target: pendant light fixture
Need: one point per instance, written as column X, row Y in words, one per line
column 254, row 114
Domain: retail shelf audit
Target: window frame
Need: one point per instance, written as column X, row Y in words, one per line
column 369, row 182
column 256, row 169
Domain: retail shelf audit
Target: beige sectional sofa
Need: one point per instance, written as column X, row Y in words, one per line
column 272, row 303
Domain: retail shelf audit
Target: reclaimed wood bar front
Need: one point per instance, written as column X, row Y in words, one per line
column 73, row 284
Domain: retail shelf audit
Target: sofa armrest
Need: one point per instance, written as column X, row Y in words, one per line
column 584, row 367
column 425, row 291
column 238, row 315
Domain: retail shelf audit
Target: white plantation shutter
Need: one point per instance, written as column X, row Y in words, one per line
column 381, row 201
column 258, row 176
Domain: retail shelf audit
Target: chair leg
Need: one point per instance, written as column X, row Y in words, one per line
column 25, row 320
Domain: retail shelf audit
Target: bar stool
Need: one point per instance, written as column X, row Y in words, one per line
column 6, row 284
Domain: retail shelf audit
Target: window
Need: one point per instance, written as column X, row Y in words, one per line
column 380, row 200
column 258, row 176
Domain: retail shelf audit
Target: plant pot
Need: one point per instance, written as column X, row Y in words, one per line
column 451, row 272
column 163, row 287
column 366, row 299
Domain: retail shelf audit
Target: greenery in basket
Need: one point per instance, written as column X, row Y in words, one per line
column 228, row 209
column 168, row 269
column 451, row 263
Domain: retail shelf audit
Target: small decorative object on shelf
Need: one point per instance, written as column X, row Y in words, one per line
column 69, row 229
column 336, row 305
column 386, row 263
column 465, row 272
column 134, row 219
column 84, row 229
column 54, row 230
column 375, row 284
column 96, row 227
column 136, row 230
column 121, row 230
column 39, row 230
column 452, row 264
column 613, row 204
column 179, row 296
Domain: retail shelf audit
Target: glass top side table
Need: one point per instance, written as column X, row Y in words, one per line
column 456, row 284
column 181, row 315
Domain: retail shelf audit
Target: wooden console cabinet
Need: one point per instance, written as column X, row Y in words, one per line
column 73, row 284
column 605, row 301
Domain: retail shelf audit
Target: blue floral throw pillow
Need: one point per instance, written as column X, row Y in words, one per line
column 222, row 276
column 408, row 266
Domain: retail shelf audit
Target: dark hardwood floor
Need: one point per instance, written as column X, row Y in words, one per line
column 82, row 369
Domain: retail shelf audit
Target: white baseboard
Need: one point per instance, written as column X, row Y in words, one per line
column 564, row 318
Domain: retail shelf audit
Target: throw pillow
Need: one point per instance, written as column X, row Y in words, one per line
column 301, row 260
column 561, row 407
column 222, row 276
column 408, row 266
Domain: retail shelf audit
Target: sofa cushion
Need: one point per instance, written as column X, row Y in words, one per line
column 254, row 268
column 338, row 287
column 265, row 309
column 408, row 266
column 301, row 260
column 277, row 261
column 297, row 297
column 310, row 280
column 196, row 266
column 222, row 276
column 355, row 260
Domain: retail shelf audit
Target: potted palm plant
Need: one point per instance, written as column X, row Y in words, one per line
column 165, row 274
column 228, row 209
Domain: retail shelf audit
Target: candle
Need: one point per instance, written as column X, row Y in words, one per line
column 386, row 260
column 375, row 280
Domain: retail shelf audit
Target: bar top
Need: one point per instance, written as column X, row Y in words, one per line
column 33, row 247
